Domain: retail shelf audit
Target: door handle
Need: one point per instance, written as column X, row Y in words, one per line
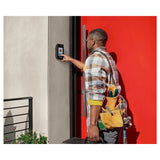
column 84, row 58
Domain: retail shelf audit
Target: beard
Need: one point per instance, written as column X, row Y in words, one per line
column 90, row 49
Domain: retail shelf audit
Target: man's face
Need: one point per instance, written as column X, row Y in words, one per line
column 90, row 43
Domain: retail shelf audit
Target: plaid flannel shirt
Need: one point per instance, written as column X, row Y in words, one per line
column 98, row 77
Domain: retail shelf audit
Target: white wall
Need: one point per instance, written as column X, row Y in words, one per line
column 26, row 64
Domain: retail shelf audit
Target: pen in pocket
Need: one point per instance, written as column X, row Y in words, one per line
column 110, row 94
column 116, row 92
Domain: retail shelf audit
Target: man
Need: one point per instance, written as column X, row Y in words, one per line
column 97, row 76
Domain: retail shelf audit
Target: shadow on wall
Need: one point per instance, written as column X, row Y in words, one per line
column 10, row 128
column 132, row 134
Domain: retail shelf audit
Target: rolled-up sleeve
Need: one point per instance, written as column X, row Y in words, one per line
column 95, row 79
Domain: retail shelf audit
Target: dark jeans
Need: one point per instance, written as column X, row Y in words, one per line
column 110, row 136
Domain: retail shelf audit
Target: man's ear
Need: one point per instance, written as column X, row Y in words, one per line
column 93, row 41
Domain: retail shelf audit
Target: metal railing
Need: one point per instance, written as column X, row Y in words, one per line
column 29, row 114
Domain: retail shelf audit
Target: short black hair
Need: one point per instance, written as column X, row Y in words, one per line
column 100, row 35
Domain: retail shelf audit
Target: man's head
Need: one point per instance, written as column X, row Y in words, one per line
column 96, row 38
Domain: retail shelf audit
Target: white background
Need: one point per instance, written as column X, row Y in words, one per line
column 78, row 8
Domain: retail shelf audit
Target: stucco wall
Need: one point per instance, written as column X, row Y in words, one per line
column 26, row 64
column 58, row 81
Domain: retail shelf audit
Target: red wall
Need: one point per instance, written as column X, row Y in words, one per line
column 132, row 43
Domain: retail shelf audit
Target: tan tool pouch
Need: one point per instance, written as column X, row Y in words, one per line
column 111, row 116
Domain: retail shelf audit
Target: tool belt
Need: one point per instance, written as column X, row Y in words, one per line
column 111, row 115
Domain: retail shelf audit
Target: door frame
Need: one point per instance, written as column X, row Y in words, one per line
column 75, row 92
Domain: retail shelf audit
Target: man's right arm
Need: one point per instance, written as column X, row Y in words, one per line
column 76, row 62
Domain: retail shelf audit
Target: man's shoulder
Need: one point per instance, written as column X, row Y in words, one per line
column 98, row 54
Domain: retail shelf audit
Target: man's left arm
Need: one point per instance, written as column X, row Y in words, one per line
column 93, row 131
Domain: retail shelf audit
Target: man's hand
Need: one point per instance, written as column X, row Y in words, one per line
column 93, row 133
column 66, row 58
column 77, row 63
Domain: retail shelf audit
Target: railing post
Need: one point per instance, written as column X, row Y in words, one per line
column 30, row 115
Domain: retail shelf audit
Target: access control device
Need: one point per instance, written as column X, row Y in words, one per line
column 59, row 50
